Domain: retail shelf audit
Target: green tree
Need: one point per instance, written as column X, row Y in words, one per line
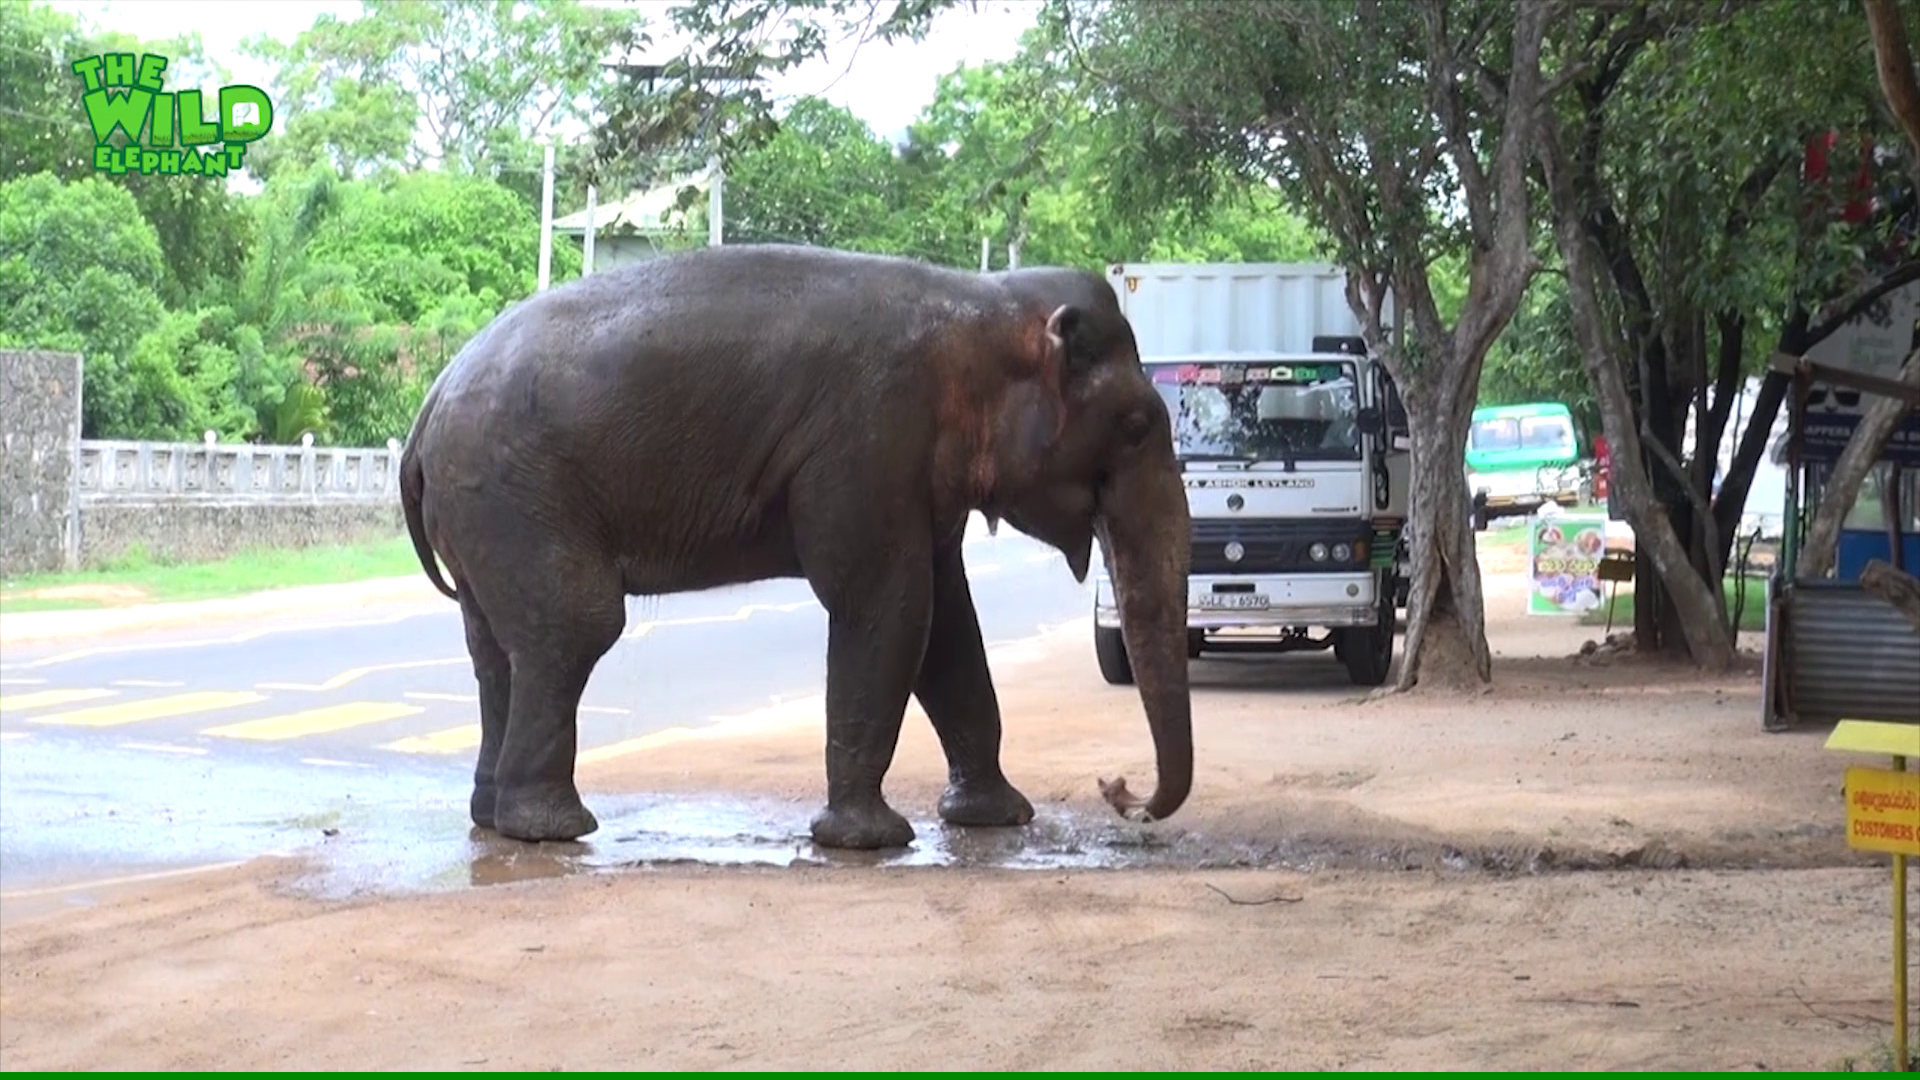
column 823, row 178
column 201, row 228
column 467, row 86
column 1372, row 118
column 1673, row 170
column 80, row 269
column 421, row 237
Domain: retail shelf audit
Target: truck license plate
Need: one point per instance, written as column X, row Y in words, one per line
column 1235, row 601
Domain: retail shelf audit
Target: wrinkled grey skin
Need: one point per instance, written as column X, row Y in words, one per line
column 736, row 414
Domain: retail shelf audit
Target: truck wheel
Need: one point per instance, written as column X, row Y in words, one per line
column 1480, row 517
column 1369, row 652
column 1111, row 650
column 1196, row 641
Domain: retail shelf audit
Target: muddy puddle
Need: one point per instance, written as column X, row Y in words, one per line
column 431, row 852
column 71, row 824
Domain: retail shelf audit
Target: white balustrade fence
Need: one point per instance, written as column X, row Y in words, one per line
column 116, row 471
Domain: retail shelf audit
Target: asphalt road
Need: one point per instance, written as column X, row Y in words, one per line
column 163, row 748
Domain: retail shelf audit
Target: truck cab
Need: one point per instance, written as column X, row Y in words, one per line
column 1294, row 452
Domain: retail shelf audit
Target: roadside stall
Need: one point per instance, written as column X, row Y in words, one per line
column 1835, row 650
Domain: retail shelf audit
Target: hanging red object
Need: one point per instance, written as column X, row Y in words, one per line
column 1859, row 203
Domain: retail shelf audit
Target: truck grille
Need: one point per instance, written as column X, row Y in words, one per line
column 1274, row 546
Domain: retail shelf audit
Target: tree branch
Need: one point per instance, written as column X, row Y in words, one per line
column 1849, row 307
column 1443, row 84
column 1894, row 62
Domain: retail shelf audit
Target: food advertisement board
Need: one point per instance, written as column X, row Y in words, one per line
column 1563, row 563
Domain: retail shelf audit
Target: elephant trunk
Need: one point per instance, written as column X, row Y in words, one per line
column 1147, row 536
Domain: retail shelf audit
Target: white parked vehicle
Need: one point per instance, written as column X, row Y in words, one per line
column 1295, row 454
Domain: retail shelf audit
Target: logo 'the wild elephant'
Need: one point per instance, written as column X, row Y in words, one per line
column 141, row 127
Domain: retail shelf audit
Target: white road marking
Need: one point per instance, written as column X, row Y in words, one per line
column 132, row 879
column 163, row 748
column 10, row 681
column 236, row 639
column 330, row 763
column 153, row 684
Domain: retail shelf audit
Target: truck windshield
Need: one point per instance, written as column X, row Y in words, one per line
column 1262, row 411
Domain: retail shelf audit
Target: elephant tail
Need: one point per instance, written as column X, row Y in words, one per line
column 413, row 482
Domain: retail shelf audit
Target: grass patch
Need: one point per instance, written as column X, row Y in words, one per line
column 1753, row 610
column 137, row 579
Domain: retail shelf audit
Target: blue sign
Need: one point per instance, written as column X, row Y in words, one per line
column 1825, row 435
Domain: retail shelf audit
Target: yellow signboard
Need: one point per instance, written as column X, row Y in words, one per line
column 1883, row 810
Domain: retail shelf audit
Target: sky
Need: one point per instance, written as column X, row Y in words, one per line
column 885, row 85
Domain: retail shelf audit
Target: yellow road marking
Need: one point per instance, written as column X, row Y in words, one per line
column 151, row 709
column 315, row 721
column 450, row 741
column 355, row 674
column 44, row 698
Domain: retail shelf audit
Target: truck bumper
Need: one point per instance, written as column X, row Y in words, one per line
column 1327, row 600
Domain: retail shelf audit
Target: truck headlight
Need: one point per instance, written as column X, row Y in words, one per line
column 1318, row 553
column 1342, row 553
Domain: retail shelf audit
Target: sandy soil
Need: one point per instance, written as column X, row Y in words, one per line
column 1598, row 865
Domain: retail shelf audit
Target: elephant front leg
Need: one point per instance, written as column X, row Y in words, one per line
column 955, row 687
column 876, row 632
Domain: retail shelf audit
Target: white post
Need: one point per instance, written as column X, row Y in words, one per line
column 586, row 250
column 1013, row 255
column 716, row 181
column 986, row 253
column 546, row 219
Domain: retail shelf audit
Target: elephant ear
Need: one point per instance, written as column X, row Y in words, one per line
column 1068, row 354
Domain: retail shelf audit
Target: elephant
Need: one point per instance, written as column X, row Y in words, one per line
column 745, row 412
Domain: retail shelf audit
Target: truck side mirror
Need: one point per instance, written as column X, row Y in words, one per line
column 1371, row 422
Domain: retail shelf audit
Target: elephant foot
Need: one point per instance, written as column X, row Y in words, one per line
column 987, row 806
column 480, row 808
column 863, row 826
column 542, row 812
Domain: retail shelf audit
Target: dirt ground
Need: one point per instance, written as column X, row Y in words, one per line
column 1600, row 864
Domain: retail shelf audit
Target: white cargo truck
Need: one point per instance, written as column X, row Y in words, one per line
column 1293, row 444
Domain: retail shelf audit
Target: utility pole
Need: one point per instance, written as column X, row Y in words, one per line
column 986, row 253
column 546, row 218
column 586, row 249
column 716, row 184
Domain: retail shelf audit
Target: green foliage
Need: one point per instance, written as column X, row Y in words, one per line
column 79, row 269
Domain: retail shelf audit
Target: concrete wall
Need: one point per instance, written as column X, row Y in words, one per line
column 68, row 503
column 39, row 447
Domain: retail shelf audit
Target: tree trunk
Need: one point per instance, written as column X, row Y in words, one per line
column 1702, row 623
column 1842, row 488
column 1446, row 606
column 1900, row 590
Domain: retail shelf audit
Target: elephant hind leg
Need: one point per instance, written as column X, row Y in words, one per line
column 494, row 675
column 554, row 618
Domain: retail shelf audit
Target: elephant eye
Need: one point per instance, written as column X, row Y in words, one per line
column 1135, row 426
